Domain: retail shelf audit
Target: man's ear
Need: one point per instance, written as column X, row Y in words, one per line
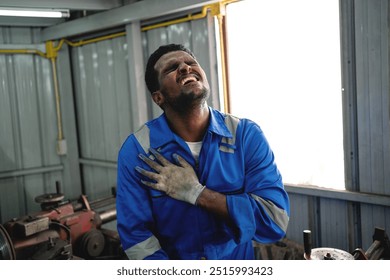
column 158, row 98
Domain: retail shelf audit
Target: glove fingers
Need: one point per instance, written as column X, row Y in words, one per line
column 159, row 157
column 155, row 165
column 181, row 161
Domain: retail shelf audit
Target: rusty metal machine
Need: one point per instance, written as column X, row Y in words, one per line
column 379, row 249
column 63, row 229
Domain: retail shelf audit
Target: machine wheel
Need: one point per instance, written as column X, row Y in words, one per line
column 7, row 251
column 92, row 244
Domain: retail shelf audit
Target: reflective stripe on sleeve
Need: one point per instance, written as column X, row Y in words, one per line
column 142, row 136
column 143, row 249
column 279, row 216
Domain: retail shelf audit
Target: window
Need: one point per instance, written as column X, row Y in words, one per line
column 285, row 74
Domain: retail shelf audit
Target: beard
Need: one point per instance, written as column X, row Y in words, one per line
column 187, row 100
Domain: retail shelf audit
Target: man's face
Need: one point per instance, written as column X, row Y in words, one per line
column 182, row 81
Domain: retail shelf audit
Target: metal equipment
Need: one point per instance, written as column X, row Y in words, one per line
column 62, row 230
column 322, row 253
column 379, row 249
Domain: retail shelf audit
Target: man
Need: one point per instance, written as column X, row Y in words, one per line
column 195, row 183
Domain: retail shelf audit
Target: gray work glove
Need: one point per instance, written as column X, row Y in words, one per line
column 178, row 181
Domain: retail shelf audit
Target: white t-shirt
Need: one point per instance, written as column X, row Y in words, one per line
column 195, row 149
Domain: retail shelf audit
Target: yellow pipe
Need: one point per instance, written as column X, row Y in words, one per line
column 95, row 40
column 16, row 51
column 52, row 53
column 220, row 13
column 214, row 8
column 223, row 65
column 59, row 46
column 57, row 98
column 181, row 20
column 115, row 35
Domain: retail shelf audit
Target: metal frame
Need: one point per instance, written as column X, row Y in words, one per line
column 120, row 16
column 367, row 198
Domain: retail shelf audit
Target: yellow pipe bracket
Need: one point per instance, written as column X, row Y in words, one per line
column 51, row 51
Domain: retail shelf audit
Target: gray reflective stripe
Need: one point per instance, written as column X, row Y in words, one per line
column 144, row 249
column 142, row 135
column 279, row 216
column 228, row 143
column 226, row 149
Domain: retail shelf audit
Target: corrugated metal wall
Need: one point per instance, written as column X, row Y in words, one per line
column 103, row 116
column 103, row 101
column 372, row 75
column 29, row 165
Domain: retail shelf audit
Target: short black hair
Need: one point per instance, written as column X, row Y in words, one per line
column 151, row 78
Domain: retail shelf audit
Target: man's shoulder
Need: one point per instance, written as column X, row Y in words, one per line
column 235, row 119
column 246, row 124
column 149, row 124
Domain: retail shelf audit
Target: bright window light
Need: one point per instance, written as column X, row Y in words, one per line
column 34, row 13
column 285, row 74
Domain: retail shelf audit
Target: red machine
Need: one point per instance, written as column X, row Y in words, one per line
column 62, row 230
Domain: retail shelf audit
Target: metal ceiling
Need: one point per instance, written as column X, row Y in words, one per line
column 95, row 15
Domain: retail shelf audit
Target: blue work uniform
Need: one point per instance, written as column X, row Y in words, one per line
column 235, row 160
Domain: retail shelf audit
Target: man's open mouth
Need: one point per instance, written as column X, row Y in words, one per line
column 188, row 80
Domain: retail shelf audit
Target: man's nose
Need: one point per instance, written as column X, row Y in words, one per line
column 184, row 68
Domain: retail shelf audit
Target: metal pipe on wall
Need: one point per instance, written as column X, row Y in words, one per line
column 57, row 95
column 25, row 51
column 30, row 171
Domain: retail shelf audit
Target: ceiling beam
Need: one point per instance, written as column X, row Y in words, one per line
column 29, row 21
column 121, row 16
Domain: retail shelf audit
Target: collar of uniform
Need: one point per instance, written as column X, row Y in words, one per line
column 217, row 124
column 162, row 134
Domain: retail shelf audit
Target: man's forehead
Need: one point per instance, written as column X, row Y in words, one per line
column 171, row 56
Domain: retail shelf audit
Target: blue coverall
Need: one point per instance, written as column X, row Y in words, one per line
column 236, row 160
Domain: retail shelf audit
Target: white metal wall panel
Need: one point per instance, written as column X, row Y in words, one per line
column 372, row 74
column 71, row 185
column 7, row 148
column 373, row 95
column 301, row 218
column 101, row 88
column 334, row 224
column 326, row 218
column 372, row 217
column 103, row 109
column 154, row 38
